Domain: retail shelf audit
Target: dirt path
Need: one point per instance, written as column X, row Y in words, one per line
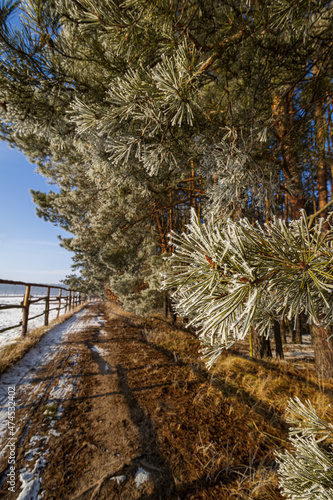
column 77, row 418
column 103, row 413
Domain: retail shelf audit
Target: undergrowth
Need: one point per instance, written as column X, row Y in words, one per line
column 263, row 387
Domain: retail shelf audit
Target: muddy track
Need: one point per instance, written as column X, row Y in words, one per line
column 80, row 430
column 103, row 413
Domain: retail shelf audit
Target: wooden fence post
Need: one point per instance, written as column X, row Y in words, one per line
column 25, row 315
column 59, row 306
column 70, row 299
column 47, row 306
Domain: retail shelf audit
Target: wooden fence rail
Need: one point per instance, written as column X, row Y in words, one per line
column 71, row 300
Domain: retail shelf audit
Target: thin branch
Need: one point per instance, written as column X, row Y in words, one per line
column 312, row 217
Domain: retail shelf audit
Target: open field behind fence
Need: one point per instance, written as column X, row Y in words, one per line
column 20, row 313
column 13, row 316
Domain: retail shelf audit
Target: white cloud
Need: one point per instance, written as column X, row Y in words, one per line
column 44, row 272
column 36, row 242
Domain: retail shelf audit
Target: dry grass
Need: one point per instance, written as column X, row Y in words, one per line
column 263, row 386
column 112, row 308
column 274, row 383
column 271, row 382
column 12, row 353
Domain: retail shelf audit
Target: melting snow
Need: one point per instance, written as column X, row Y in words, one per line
column 54, row 433
column 141, row 477
column 9, row 317
column 99, row 350
column 119, row 479
column 22, row 375
column 31, row 481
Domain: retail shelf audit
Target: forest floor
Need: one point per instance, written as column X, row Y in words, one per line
column 111, row 407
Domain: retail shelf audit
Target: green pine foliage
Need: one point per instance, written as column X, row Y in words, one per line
column 120, row 102
column 137, row 111
column 231, row 275
column 306, row 472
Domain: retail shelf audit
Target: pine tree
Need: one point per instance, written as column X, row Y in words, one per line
column 230, row 275
column 139, row 113
column 306, row 472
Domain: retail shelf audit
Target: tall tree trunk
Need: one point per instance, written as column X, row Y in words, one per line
column 261, row 345
column 298, row 334
column 314, row 201
column 161, row 232
column 278, row 340
column 286, row 207
column 283, row 331
column 166, row 304
column 320, row 134
column 323, row 349
column 289, row 330
column 293, row 336
column 193, row 197
column 172, row 313
column 199, row 200
column 284, row 115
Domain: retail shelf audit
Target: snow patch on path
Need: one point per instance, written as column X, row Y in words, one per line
column 141, row 476
column 99, row 350
column 31, row 481
column 23, row 374
column 31, row 386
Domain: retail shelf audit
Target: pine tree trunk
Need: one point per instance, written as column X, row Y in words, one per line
column 166, row 304
column 320, row 133
column 283, row 331
column 289, row 330
column 261, row 345
column 298, row 334
column 293, row 336
column 284, row 115
column 172, row 313
column 323, row 351
column 278, row 340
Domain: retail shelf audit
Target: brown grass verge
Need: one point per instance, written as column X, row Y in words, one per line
column 264, row 387
column 12, row 353
column 270, row 381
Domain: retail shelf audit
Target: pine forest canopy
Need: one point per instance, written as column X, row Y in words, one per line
column 140, row 111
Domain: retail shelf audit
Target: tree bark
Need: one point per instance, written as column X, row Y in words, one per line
column 261, row 346
column 320, row 129
column 283, row 331
column 166, row 304
column 278, row 340
column 284, row 115
column 172, row 312
column 323, row 349
column 298, row 335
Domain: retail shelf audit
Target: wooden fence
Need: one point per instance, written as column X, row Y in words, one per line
column 66, row 299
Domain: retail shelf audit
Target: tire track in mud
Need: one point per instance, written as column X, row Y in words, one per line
column 80, row 422
column 44, row 379
column 105, row 413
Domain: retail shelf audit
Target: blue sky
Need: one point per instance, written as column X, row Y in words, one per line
column 29, row 247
